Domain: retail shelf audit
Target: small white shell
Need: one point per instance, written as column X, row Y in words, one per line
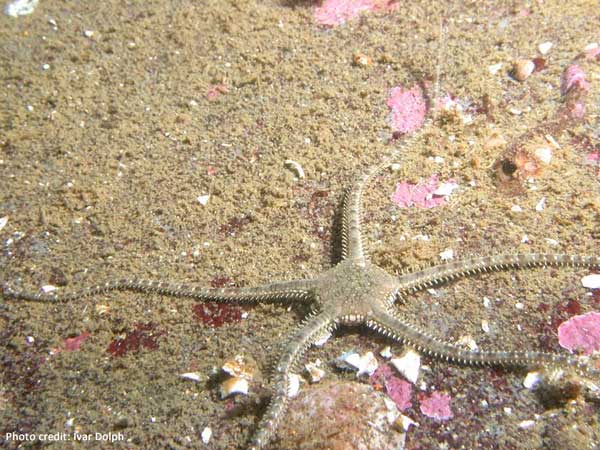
column 3, row 222
column 203, row 199
column 365, row 364
column 295, row 167
column 386, row 352
column 544, row 154
column 294, row 385
column 206, row 435
column 193, row 376
column 321, row 340
column 545, row 47
column 531, row 379
column 524, row 424
column 233, row 385
column 591, row 281
column 46, row 289
column 447, row 254
column 485, row 326
column 408, row 365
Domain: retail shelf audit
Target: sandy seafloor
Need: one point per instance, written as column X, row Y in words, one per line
column 104, row 153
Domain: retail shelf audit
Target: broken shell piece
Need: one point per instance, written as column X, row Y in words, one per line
column 193, row 376
column 544, row 154
column 545, row 47
column 315, row 372
column 239, row 367
column 524, row 424
column 365, row 364
column 522, row 68
column 485, row 326
column 294, row 385
column 48, row 288
column 3, row 222
column 408, row 365
column 403, row 423
column 386, row 352
column 591, row 281
column 203, row 199
column 447, row 254
column 321, row 340
column 467, row 341
column 206, row 435
column 295, row 167
column 532, row 379
column 233, row 385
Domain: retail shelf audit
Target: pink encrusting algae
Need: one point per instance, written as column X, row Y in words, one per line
column 581, row 333
column 436, row 406
column 337, row 12
column 399, row 390
column 408, row 109
column 428, row 194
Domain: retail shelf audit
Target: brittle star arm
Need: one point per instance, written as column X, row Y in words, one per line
column 353, row 246
column 423, row 279
column 389, row 324
column 276, row 291
column 309, row 332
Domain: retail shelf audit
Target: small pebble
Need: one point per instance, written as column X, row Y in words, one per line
column 591, row 281
column 522, row 69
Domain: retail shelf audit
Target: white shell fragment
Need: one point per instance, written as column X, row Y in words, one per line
column 321, row 340
column 294, row 385
column 544, row 154
column 408, row 365
column 203, row 199
column 447, row 254
column 445, row 189
column 233, row 385
column 295, row 167
column 524, row 424
column 3, row 222
column 545, row 47
column 485, row 326
column 468, row 341
column 365, row 364
column 315, row 372
column 532, row 379
column 206, row 435
column 494, row 68
column 46, row 289
column 386, row 352
column 591, row 281
column 541, row 205
column 18, row 8
column 193, row 376
column 406, row 422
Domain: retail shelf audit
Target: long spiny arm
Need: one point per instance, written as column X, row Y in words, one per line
column 278, row 291
column 423, row 279
column 309, row 333
column 353, row 246
column 389, row 324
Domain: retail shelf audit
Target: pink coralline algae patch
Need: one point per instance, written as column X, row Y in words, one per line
column 408, row 109
column 396, row 388
column 573, row 78
column 581, row 333
column 436, row 406
column 73, row 344
column 337, row 12
column 428, row 194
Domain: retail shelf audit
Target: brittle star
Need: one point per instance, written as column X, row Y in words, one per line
column 356, row 292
